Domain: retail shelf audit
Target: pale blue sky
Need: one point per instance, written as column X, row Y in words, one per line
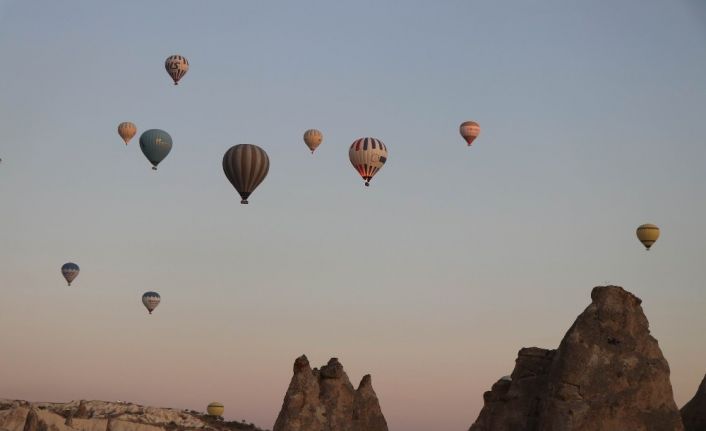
column 592, row 117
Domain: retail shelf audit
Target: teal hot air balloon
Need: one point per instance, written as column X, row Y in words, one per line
column 155, row 145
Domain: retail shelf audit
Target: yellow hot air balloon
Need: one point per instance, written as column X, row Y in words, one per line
column 215, row 409
column 469, row 131
column 126, row 131
column 647, row 234
column 312, row 139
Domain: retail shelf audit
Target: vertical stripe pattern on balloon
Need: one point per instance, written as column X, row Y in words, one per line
column 367, row 155
column 245, row 166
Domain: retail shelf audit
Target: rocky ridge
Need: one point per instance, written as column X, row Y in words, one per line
column 16, row 415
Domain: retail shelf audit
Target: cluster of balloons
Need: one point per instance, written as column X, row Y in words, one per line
column 247, row 165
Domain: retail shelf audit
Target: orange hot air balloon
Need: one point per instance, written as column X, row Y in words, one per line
column 470, row 131
column 127, row 131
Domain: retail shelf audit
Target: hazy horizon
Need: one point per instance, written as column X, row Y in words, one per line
column 430, row 280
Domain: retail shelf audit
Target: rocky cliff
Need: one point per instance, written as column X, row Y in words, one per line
column 106, row 416
column 694, row 412
column 608, row 374
column 325, row 400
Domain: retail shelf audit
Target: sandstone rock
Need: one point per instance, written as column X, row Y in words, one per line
column 608, row 374
column 325, row 400
column 513, row 404
column 694, row 412
column 105, row 416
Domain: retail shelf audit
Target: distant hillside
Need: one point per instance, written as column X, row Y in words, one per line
column 17, row 415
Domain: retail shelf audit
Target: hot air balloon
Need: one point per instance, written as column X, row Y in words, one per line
column 647, row 234
column 312, row 139
column 245, row 167
column 215, row 409
column 126, row 131
column 155, row 145
column 470, row 131
column 70, row 271
column 367, row 155
column 151, row 300
column 176, row 66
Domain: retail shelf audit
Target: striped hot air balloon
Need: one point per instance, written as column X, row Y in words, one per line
column 151, row 300
column 245, row 167
column 127, row 131
column 70, row 271
column 647, row 234
column 470, row 131
column 215, row 409
column 176, row 66
column 312, row 139
column 367, row 155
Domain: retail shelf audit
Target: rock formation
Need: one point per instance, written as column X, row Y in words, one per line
column 694, row 412
column 106, row 416
column 608, row 374
column 325, row 400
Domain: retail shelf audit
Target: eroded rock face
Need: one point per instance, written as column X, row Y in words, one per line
column 325, row 400
column 608, row 374
column 694, row 412
column 513, row 403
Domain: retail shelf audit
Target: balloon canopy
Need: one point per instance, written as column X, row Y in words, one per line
column 215, row 409
column 245, row 166
column 469, row 131
column 647, row 234
column 151, row 300
column 70, row 271
column 367, row 155
column 127, row 131
column 155, row 145
column 312, row 139
column 177, row 66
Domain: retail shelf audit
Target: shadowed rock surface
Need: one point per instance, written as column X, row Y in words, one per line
column 16, row 415
column 694, row 412
column 608, row 374
column 325, row 400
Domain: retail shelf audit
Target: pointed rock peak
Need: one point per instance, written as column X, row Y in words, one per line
column 325, row 400
column 366, row 382
column 607, row 374
column 301, row 364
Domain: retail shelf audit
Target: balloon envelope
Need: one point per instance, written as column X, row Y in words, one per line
column 70, row 271
column 470, row 131
column 647, row 234
column 176, row 66
column 313, row 138
column 215, row 409
column 127, row 131
column 155, row 145
column 367, row 155
column 151, row 300
column 245, row 166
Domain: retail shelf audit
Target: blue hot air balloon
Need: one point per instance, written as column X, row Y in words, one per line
column 155, row 145
column 70, row 271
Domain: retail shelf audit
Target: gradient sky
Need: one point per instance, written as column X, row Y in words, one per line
column 592, row 117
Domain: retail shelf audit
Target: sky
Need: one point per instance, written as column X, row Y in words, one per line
column 431, row 279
